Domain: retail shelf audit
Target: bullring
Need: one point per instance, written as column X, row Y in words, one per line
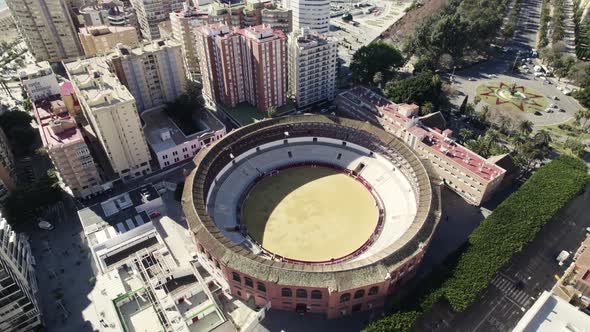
column 280, row 250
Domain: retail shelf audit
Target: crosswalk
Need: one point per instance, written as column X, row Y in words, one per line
column 518, row 296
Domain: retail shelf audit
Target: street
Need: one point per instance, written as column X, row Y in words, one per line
column 514, row 289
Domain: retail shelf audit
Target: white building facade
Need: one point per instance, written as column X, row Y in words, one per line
column 312, row 67
column 39, row 81
column 313, row 14
column 151, row 12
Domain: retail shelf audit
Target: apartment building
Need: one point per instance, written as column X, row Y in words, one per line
column 19, row 308
column 312, row 67
column 66, row 147
column 243, row 65
column 112, row 114
column 7, row 170
column 183, row 24
column 47, row 28
column 98, row 40
column 153, row 73
column 6, row 19
column 151, row 12
column 39, row 81
column 462, row 170
column 313, row 14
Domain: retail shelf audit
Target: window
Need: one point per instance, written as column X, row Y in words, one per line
column 248, row 282
column 301, row 293
column 373, row 290
column 344, row 297
column 359, row 293
column 236, row 277
column 316, row 294
column 260, row 286
column 217, row 264
column 286, row 292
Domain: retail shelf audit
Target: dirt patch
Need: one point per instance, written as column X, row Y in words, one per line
column 405, row 26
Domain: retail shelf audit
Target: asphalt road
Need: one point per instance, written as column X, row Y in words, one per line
column 504, row 302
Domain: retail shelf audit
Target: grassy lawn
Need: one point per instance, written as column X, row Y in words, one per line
column 497, row 94
column 554, row 129
column 246, row 114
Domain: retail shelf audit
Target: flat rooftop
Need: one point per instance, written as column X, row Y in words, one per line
column 146, row 48
column 118, row 212
column 56, row 127
column 158, row 123
column 33, row 70
column 550, row 314
column 97, row 85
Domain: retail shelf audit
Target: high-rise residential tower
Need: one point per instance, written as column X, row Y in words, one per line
column 243, row 65
column 154, row 73
column 112, row 114
column 314, row 14
column 47, row 28
column 19, row 308
column 312, row 67
column 151, row 12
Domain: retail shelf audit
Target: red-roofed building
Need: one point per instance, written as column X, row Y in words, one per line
column 66, row 147
column 465, row 172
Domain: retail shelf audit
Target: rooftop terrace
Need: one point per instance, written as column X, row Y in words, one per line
column 56, row 127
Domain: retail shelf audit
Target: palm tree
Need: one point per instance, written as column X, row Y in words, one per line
column 582, row 117
column 465, row 134
column 542, row 137
column 493, row 135
column 485, row 113
column 526, row 127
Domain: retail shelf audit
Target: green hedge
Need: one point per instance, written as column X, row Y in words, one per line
column 513, row 224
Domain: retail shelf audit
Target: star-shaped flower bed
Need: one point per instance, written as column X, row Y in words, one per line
column 521, row 99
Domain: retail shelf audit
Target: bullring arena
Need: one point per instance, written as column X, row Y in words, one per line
column 311, row 213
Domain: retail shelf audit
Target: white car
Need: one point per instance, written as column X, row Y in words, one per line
column 46, row 225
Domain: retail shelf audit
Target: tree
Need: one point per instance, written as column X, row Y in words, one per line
column 526, row 127
column 485, row 113
column 424, row 87
column 187, row 107
column 271, row 111
column 426, row 108
column 373, row 58
column 465, row 134
column 575, row 146
column 27, row 105
column 18, row 130
column 542, row 138
column 583, row 96
column 582, row 117
column 378, row 78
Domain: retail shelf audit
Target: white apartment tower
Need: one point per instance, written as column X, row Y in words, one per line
column 154, row 73
column 47, row 28
column 183, row 25
column 19, row 309
column 151, row 12
column 112, row 114
column 312, row 67
column 314, row 14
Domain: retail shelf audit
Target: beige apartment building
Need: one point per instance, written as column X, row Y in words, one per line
column 466, row 173
column 312, row 67
column 112, row 114
column 183, row 24
column 153, row 73
column 66, row 147
column 98, row 40
column 47, row 28
column 243, row 65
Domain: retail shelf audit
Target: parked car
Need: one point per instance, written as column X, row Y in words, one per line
column 45, row 225
column 538, row 113
column 562, row 257
column 562, row 110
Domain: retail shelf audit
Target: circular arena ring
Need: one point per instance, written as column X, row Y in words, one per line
column 252, row 210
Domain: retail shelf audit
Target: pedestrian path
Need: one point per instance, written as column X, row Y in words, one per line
column 520, row 297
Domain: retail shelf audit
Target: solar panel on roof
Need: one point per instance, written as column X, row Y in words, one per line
column 130, row 224
column 121, row 228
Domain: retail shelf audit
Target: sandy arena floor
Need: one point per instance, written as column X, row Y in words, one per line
column 310, row 214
